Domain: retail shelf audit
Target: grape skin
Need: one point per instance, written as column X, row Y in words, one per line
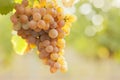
column 36, row 16
column 49, row 48
column 53, row 33
column 23, row 18
column 41, row 24
column 32, row 24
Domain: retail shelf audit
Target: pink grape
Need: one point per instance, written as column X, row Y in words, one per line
column 32, row 24
column 36, row 16
column 49, row 48
column 53, row 33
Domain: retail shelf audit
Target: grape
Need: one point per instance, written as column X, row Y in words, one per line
column 46, row 43
column 57, row 65
column 50, row 62
column 31, row 40
column 14, row 19
column 34, row 10
column 48, row 18
column 54, row 56
column 44, row 37
column 61, row 52
column 32, row 24
column 36, row 16
column 60, row 16
column 42, row 11
column 55, row 49
column 25, row 26
column 53, row 33
column 49, row 48
column 41, row 24
column 61, row 33
column 23, row 18
column 40, row 45
column 61, row 23
column 28, row 11
column 53, row 42
column 17, row 5
column 37, row 29
column 52, row 12
column 17, row 26
column 46, row 27
column 25, row 2
column 20, row 9
column 53, row 70
column 63, row 68
column 53, row 25
column 43, row 54
column 61, row 60
column 61, row 43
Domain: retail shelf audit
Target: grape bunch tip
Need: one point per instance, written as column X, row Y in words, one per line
column 43, row 25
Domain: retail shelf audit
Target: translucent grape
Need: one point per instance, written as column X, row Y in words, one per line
column 48, row 18
column 28, row 11
column 53, row 42
column 63, row 68
column 37, row 29
column 36, row 16
column 60, row 16
column 55, row 49
column 32, row 24
column 53, row 25
column 61, row 43
column 41, row 24
column 57, row 65
column 50, row 62
column 46, row 27
column 17, row 26
column 43, row 54
column 34, row 10
column 52, row 12
column 49, row 48
column 46, row 43
column 25, row 26
column 61, row 23
column 14, row 19
column 61, row 33
column 54, row 56
column 23, row 18
column 53, row 70
column 25, row 2
column 20, row 9
column 53, row 33
column 42, row 11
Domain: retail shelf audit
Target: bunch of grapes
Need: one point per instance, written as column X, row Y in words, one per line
column 42, row 27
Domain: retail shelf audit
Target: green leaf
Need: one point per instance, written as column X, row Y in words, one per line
column 19, row 44
column 6, row 6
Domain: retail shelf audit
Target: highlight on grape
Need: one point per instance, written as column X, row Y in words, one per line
column 44, row 26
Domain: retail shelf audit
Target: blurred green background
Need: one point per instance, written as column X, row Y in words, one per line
column 92, row 51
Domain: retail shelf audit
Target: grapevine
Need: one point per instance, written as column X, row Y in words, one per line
column 44, row 26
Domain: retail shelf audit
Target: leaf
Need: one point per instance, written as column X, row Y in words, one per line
column 6, row 6
column 19, row 44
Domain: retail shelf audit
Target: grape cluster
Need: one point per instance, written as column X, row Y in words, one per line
column 42, row 27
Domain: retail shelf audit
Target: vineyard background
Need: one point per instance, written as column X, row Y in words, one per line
column 92, row 49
